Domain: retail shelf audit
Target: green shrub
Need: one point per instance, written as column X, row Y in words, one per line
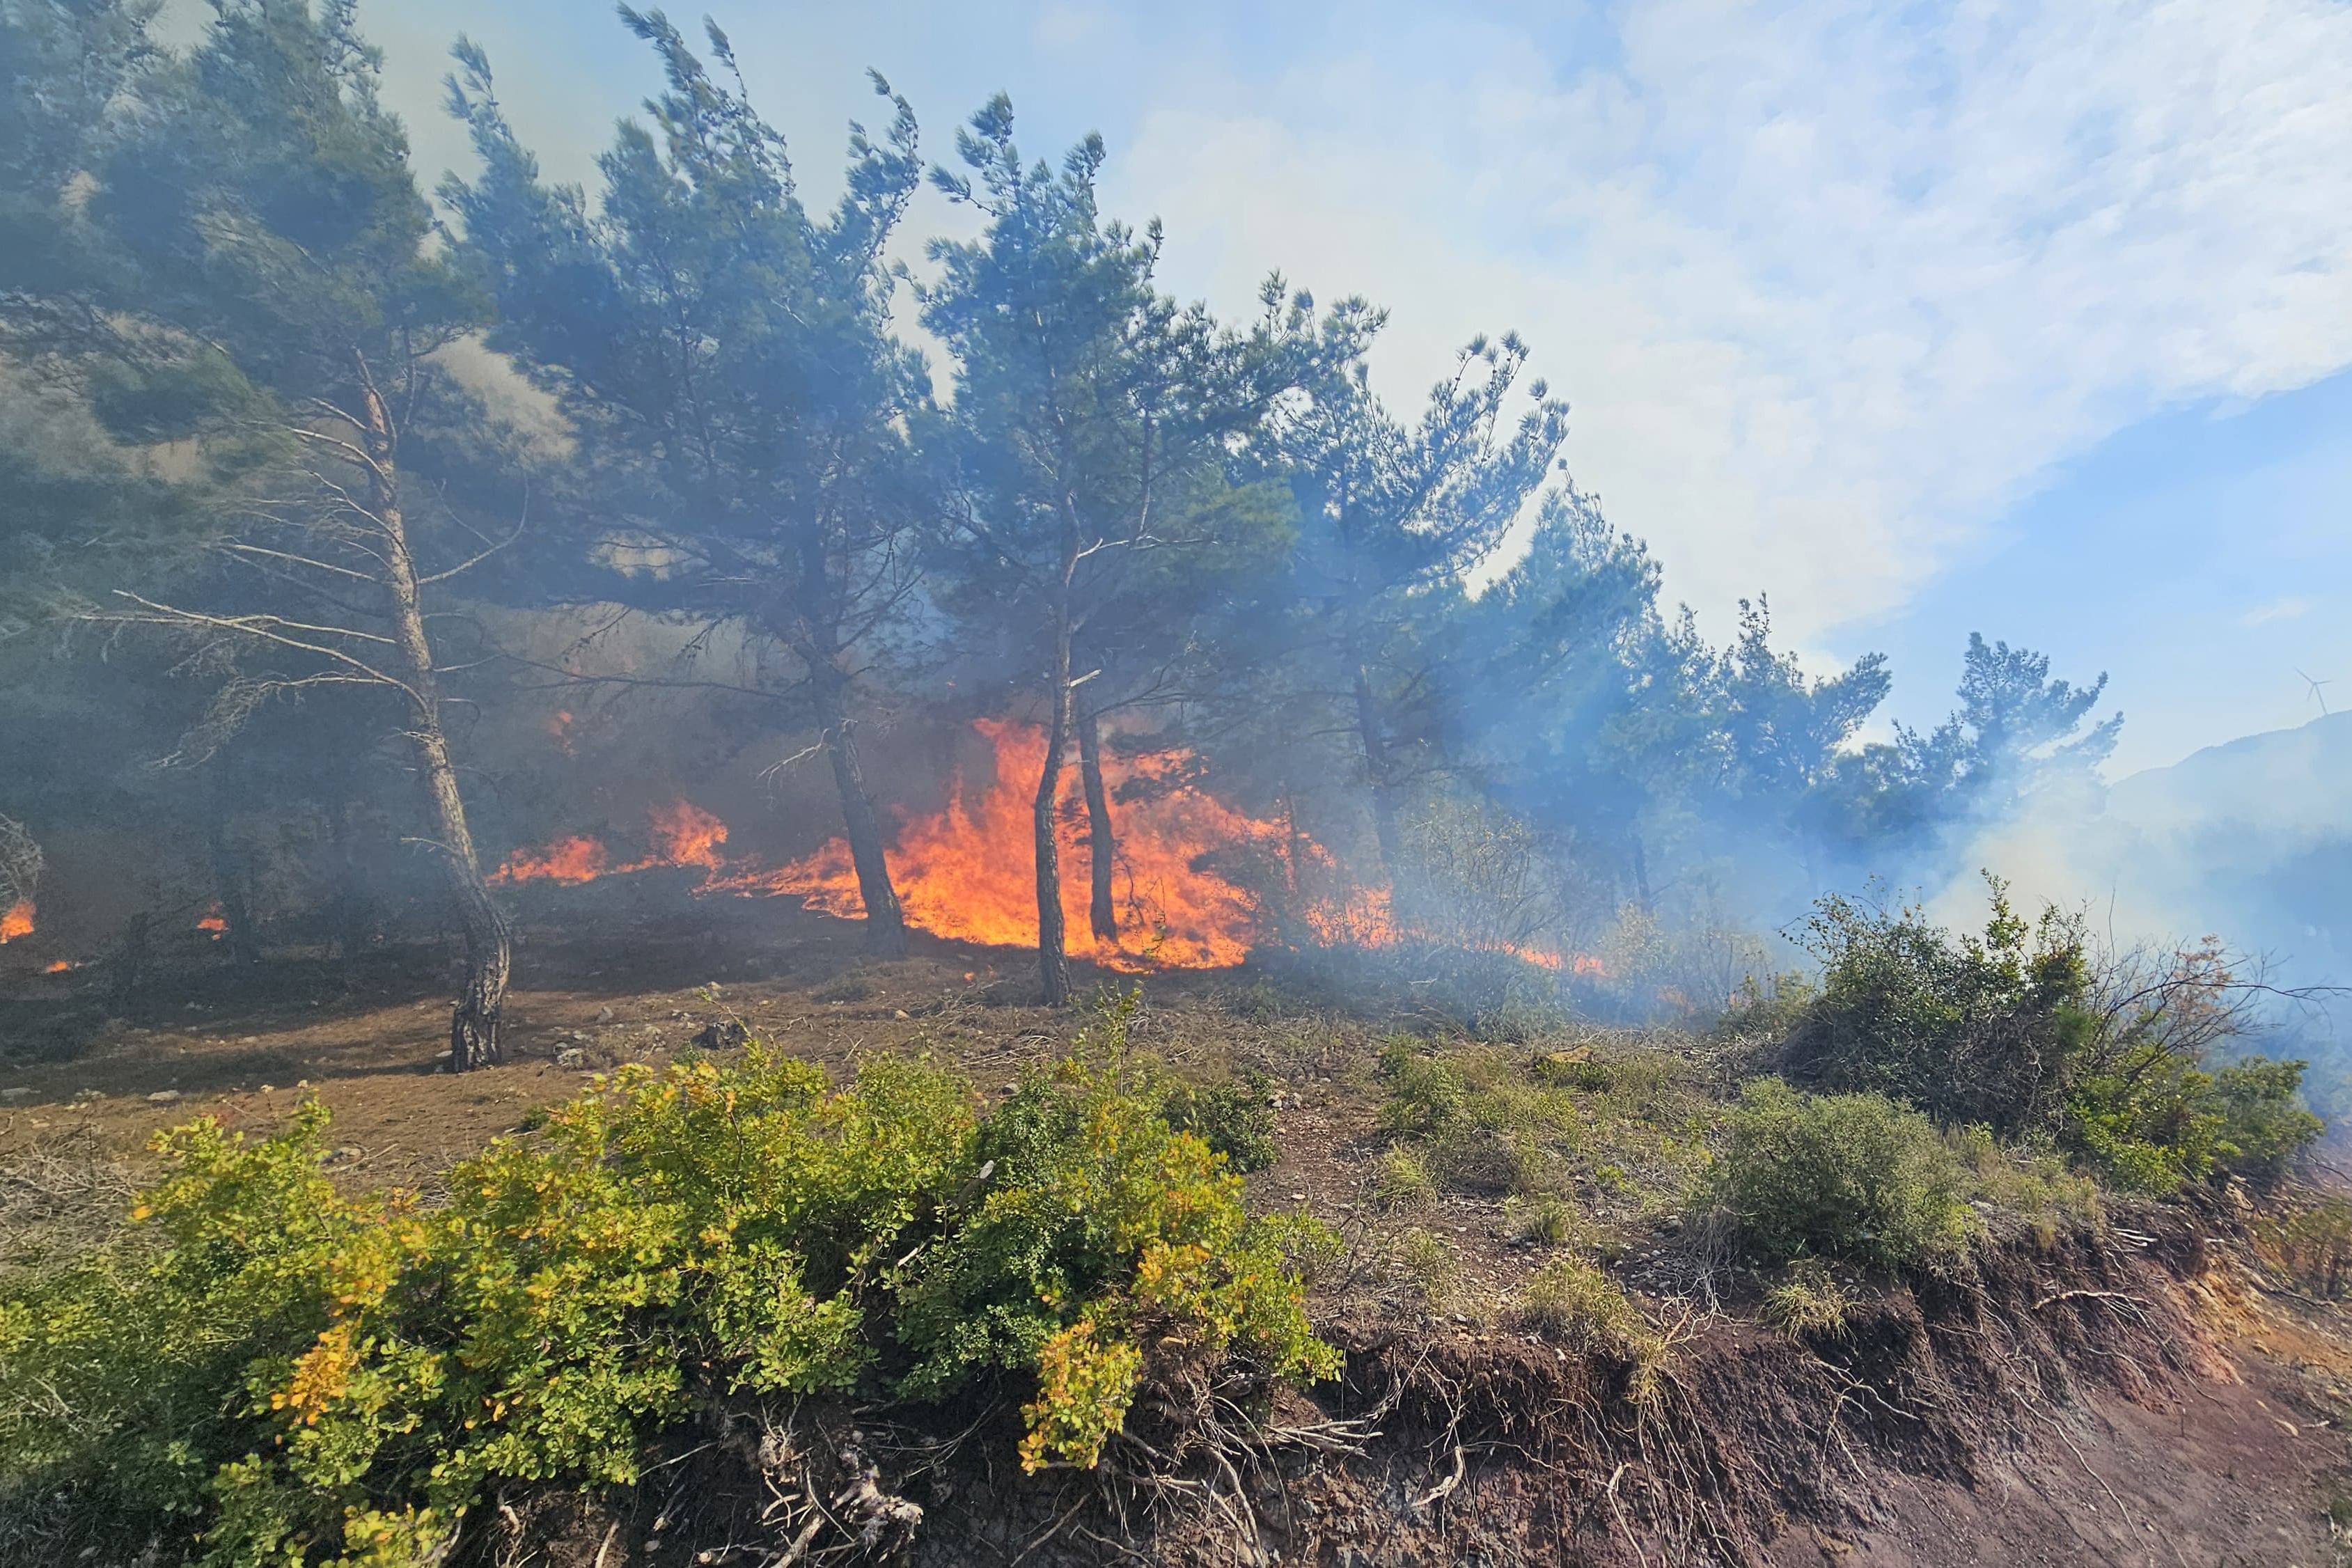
column 2264, row 1124
column 1839, row 1176
column 1427, row 1093
column 315, row 1378
column 1235, row 1119
column 2145, row 1120
column 1973, row 1029
column 2021, row 1031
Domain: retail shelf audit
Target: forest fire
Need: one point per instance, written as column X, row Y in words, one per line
column 965, row 872
column 215, row 924
column 683, row 834
column 17, row 921
column 1184, row 883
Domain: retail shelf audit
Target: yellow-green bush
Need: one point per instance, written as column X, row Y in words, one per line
column 1576, row 1304
column 269, row 1373
column 1808, row 1301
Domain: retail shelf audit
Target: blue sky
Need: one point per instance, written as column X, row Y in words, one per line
column 2031, row 319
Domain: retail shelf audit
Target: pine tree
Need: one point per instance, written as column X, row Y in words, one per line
column 726, row 359
column 260, row 282
column 1093, row 424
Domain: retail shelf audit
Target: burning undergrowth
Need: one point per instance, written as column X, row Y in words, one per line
column 1195, row 882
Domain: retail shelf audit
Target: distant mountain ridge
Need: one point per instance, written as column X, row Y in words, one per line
column 2251, row 839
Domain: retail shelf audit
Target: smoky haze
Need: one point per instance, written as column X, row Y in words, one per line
column 381, row 553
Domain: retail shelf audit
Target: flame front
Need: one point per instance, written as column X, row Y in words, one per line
column 215, row 924
column 967, row 873
column 1181, row 880
column 17, row 921
column 578, row 858
column 683, row 835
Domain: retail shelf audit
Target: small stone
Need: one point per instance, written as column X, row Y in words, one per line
column 163, row 1097
column 604, row 1015
column 270, row 1089
column 572, row 1058
column 900, row 1013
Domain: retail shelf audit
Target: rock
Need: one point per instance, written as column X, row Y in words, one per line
column 604, row 1015
column 723, row 1034
column 163, row 1097
column 571, row 1058
column 901, row 1013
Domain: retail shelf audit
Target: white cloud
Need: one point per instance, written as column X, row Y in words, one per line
column 1828, row 283
column 2292, row 607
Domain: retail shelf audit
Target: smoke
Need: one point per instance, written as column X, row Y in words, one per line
column 2250, row 842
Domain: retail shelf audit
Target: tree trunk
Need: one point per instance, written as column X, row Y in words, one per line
column 1102, row 849
column 489, row 943
column 1376, row 766
column 886, row 922
column 1052, row 960
column 230, row 879
column 349, row 914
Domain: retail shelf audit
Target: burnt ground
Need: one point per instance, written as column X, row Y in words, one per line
column 2156, row 1399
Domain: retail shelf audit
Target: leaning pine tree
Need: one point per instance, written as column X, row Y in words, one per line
column 726, row 358
column 258, row 282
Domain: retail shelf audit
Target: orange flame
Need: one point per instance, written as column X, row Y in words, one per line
column 966, row 873
column 215, row 924
column 683, row 835
column 567, row 860
column 59, row 967
column 17, row 921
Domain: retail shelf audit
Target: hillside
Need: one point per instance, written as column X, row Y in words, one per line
column 1586, row 1375
column 2256, row 836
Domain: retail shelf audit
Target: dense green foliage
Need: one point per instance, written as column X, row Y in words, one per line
column 1978, row 1029
column 1839, row 1176
column 2022, row 1031
column 319, row 1377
